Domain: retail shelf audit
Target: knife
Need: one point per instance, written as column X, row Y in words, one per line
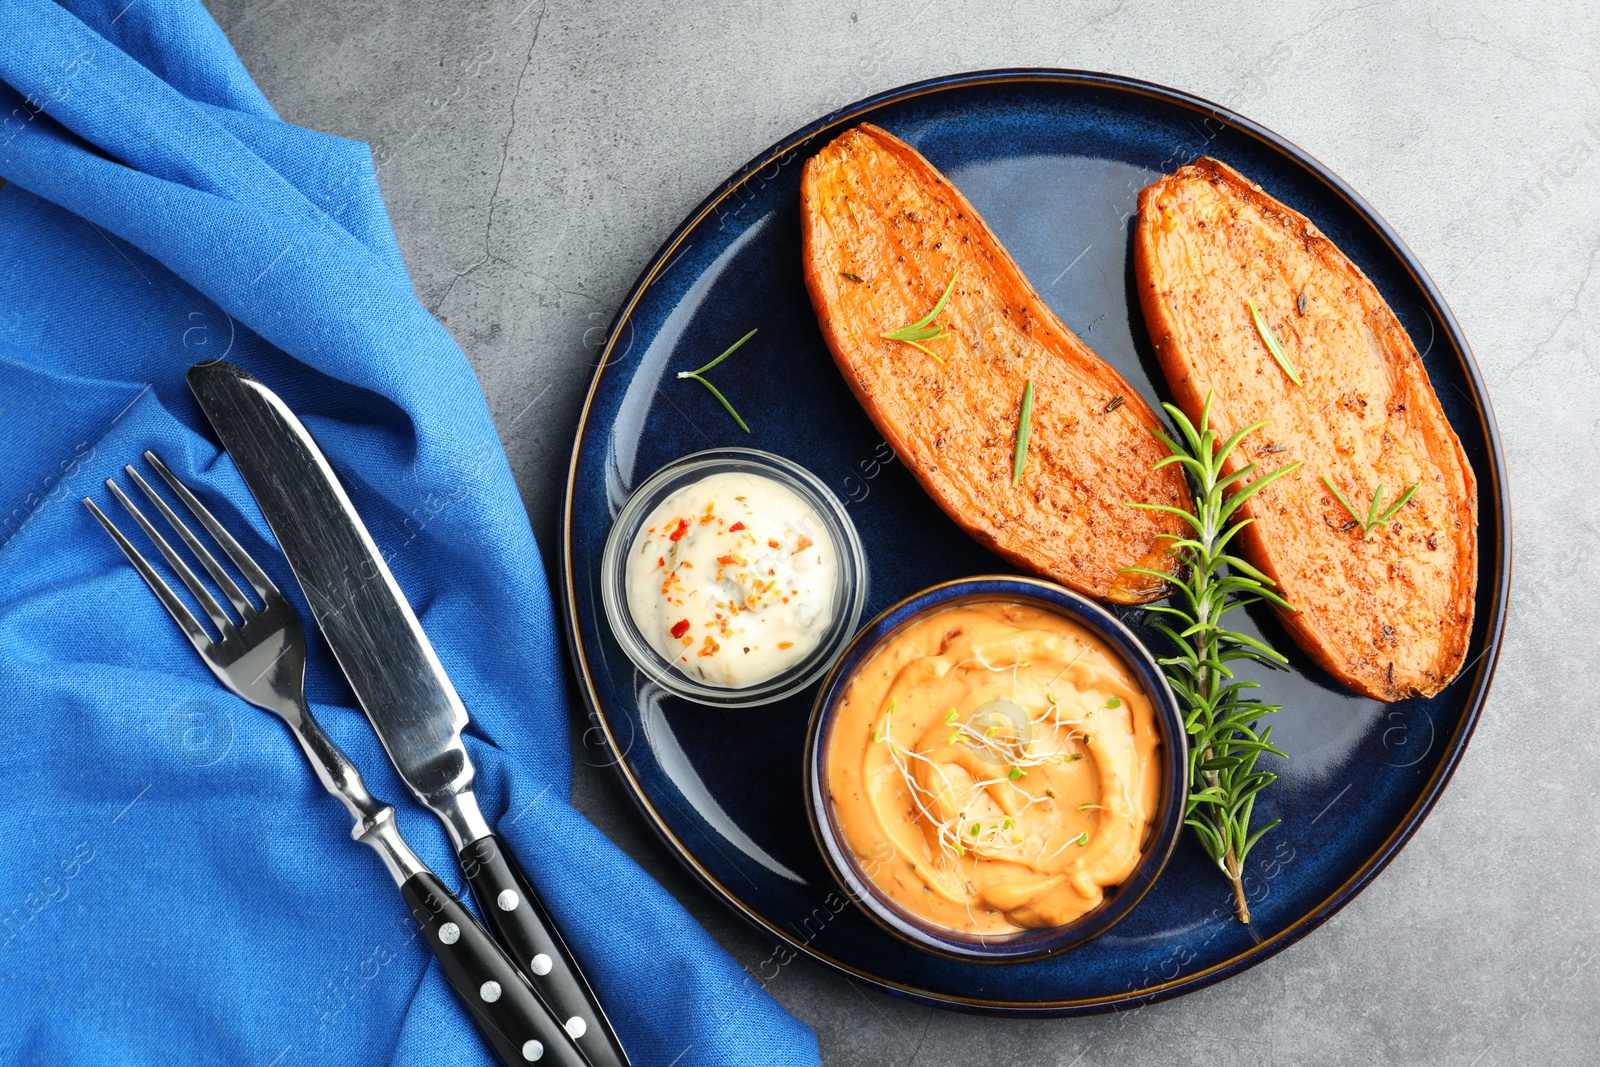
column 395, row 674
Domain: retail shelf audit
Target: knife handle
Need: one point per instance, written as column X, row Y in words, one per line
column 510, row 1016
column 523, row 927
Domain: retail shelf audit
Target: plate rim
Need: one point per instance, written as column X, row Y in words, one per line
column 1485, row 665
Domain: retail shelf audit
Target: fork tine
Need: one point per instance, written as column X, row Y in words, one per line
column 241, row 559
column 230, row 589
column 207, row 602
column 169, row 600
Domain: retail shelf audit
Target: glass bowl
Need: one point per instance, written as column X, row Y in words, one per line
column 849, row 592
column 1028, row 944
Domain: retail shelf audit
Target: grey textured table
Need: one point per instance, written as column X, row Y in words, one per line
column 533, row 155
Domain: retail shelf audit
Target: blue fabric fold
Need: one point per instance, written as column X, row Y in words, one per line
column 174, row 885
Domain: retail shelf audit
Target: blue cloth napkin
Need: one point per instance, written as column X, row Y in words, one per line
column 175, row 887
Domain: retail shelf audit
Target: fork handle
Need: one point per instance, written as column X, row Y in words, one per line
column 508, row 1013
column 522, row 925
column 510, row 1016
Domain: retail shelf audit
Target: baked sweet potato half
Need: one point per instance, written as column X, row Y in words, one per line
column 1386, row 609
column 882, row 235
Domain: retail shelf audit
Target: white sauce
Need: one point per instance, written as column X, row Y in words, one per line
column 732, row 579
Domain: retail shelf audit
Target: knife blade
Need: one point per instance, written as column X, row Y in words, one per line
column 395, row 673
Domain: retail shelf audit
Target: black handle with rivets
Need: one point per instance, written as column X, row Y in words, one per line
column 523, row 927
column 510, row 1016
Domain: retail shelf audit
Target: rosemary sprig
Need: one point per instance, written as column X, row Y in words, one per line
column 1220, row 716
column 920, row 331
column 1019, row 453
column 1373, row 519
column 1270, row 339
column 697, row 373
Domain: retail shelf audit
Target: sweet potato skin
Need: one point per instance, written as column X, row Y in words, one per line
column 882, row 233
column 1389, row 616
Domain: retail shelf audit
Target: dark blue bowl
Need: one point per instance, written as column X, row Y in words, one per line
column 1026, row 944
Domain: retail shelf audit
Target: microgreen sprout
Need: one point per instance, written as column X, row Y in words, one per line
column 944, row 796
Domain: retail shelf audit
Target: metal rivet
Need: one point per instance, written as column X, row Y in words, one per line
column 449, row 933
column 489, row 991
column 542, row 965
column 577, row 1027
column 532, row 1050
column 507, row 900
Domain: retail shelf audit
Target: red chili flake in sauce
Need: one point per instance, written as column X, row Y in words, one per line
column 736, row 527
column 679, row 530
column 773, row 543
column 680, row 628
column 803, row 544
column 661, row 561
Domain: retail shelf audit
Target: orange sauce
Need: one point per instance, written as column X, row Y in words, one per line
column 1000, row 766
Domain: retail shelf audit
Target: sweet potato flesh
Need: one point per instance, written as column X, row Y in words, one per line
column 883, row 233
column 1389, row 614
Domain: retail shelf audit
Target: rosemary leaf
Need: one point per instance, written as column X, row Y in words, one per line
column 944, row 298
column 1019, row 454
column 1398, row 504
column 721, row 400
column 1270, row 339
column 731, row 349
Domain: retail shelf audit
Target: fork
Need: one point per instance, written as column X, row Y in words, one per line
column 259, row 654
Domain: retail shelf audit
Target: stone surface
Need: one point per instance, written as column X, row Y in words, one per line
column 533, row 155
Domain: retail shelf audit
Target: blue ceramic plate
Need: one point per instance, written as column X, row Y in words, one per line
column 1054, row 161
